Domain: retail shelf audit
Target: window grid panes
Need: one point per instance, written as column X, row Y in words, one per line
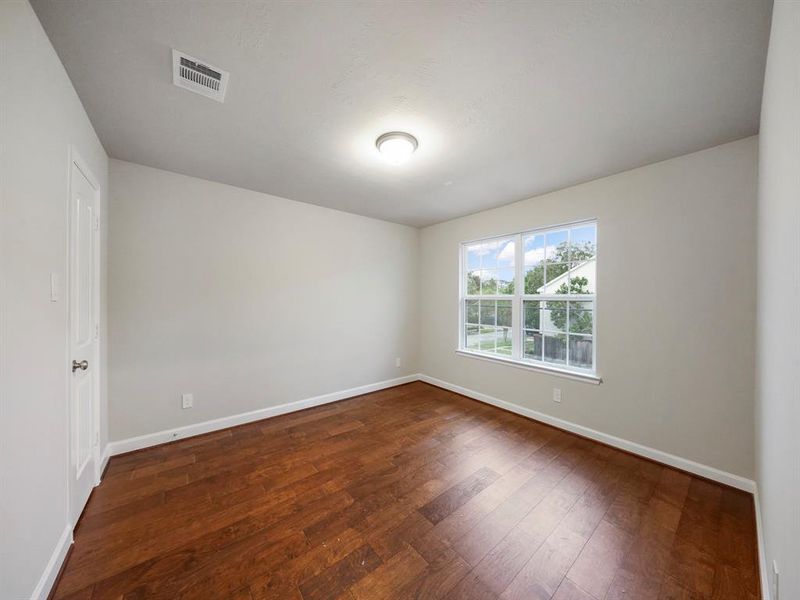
column 542, row 312
column 490, row 267
column 488, row 326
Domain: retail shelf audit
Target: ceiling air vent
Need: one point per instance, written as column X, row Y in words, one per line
column 199, row 77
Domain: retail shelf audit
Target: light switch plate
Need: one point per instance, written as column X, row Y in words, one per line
column 55, row 286
column 775, row 580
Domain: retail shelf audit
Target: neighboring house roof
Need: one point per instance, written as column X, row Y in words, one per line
column 563, row 277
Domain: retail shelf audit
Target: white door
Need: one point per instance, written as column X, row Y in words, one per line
column 83, row 336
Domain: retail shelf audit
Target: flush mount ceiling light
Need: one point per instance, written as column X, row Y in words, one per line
column 396, row 146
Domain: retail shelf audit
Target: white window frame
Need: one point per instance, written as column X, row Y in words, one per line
column 517, row 303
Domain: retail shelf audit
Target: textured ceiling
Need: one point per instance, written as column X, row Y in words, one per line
column 508, row 100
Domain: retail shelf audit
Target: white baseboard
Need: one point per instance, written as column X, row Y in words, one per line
column 104, row 459
column 48, row 578
column 684, row 464
column 169, row 435
column 766, row 587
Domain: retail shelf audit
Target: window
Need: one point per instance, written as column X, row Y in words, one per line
column 530, row 297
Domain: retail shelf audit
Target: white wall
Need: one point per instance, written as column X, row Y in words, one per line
column 778, row 367
column 676, row 305
column 40, row 116
column 246, row 300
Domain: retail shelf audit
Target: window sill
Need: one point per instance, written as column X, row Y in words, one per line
column 585, row 377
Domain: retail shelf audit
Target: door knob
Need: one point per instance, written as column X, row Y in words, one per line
column 83, row 365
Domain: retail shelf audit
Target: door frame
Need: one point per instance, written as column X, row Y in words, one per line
column 75, row 159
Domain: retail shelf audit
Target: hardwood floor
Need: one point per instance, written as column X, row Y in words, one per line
column 411, row 492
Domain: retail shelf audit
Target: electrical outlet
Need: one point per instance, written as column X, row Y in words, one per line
column 775, row 587
column 187, row 400
column 556, row 394
column 397, row 362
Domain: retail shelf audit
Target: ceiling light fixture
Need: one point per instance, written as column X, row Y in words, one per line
column 396, row 146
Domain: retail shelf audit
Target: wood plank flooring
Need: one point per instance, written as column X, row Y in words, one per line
column 410, row 492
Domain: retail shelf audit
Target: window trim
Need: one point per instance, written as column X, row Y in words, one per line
column 532, row 366
column 517, row 303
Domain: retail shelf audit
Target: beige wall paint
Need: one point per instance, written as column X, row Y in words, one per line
column 247, row 300
column 778, row 366
column 676, row 304
column 40, row 116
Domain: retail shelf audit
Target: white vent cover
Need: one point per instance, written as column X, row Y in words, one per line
column 199, row 77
